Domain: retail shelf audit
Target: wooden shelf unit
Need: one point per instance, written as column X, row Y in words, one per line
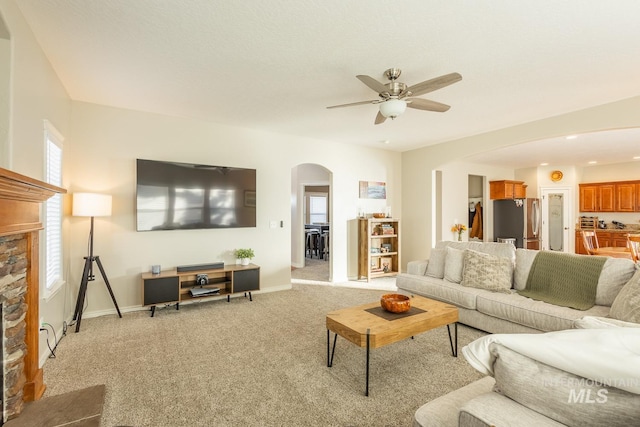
column 173, row 287
column 373, row 235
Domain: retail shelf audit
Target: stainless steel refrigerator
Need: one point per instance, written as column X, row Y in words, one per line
column 520, row 220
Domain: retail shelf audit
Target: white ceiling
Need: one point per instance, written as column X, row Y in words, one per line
column 275, row 65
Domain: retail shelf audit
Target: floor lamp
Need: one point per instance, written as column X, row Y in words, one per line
column 92, row 205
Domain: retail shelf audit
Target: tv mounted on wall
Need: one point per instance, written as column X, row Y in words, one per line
column 179, row 196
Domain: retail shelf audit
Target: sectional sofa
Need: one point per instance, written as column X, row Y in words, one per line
column 489, row 300
column 535, row 383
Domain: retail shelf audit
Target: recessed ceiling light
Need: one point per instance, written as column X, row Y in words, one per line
column 636, row 157
column 592, row 162
column 386, row 141
column 572, row 136
column 544, row 164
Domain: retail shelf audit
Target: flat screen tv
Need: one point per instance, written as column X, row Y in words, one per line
column 179, row 196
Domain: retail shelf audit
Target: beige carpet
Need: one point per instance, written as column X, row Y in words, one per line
column 316, row 272
column 80, row 408
column 260, row 363
column 314, row 269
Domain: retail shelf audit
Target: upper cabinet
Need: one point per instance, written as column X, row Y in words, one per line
column 499, row 190
column 610, row 197
column 626, row 197
column 597, row 197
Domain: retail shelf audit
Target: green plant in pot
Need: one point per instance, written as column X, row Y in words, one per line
column 244, row 255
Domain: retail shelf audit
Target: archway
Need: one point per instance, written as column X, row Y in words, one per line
column 311, row 204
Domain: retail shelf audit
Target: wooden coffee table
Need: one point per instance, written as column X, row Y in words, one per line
column 370, row 326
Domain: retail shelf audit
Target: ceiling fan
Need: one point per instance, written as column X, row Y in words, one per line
column 395, row 96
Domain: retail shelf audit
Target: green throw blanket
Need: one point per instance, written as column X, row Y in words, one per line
column 564, row 279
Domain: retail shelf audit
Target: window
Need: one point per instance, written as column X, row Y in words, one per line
column 317, row 209
column 53, row 210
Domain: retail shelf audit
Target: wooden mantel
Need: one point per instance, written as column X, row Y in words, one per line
column 20, row 200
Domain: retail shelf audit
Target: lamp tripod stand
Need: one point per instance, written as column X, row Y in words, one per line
column 87, row 276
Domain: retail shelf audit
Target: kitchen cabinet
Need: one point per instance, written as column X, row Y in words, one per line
column 597, row 197
column 506, row 189
column 637, row 208
column 625, row 196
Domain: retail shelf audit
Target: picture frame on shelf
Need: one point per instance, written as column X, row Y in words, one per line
column 386, row 264
column 385, row 247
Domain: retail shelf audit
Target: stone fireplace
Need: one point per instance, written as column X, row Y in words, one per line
column 22, row 379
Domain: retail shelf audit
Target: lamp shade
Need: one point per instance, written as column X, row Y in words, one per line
column 91, row 204
column 392, row 108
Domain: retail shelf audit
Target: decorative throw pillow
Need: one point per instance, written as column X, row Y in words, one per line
column 616, row 272
column 453, row 265
column 487, row 272
column 524, row 260
column 435, row 268
column 626, row 306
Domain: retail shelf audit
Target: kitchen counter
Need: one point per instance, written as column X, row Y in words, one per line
column 631, row 229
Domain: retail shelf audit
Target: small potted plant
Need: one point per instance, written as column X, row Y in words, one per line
column 244, row 255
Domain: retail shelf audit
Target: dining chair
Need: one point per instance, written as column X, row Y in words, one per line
column 590, row 240
column 633, row 242
column 311, row 242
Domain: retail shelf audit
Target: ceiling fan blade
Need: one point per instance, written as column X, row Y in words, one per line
column 374, row 101
column 373, row 83
column 433, row 84
column 427, row 104
column 380, row 118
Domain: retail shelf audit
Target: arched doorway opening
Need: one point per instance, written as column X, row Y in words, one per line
column 311, row 210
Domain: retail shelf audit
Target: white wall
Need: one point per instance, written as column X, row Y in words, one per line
column 36, row 94
column 108, row 140
column 455, row 191
column 417, row 165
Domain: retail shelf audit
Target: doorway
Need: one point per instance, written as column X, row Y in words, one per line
column 311, row 210
column 556, row 220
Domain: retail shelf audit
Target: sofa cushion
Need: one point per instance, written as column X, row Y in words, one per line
column 500, row 250
column 435, row 268
column 443, row 411
column 485, row 271
column 453, row 265
column 564, row 397
column 592, row 322
column 458, row 245
column 417, row 267
column 626, row 306
column 524, row 260
column 441, row 290
column 531, row 313
column 494, row 409
column 616, row 272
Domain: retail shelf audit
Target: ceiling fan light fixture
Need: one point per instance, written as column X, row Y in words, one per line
column 392, row 108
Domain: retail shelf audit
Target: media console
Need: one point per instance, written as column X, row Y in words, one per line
column 174, row 287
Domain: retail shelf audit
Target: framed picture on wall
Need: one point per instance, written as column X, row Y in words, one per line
column 372, row 190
